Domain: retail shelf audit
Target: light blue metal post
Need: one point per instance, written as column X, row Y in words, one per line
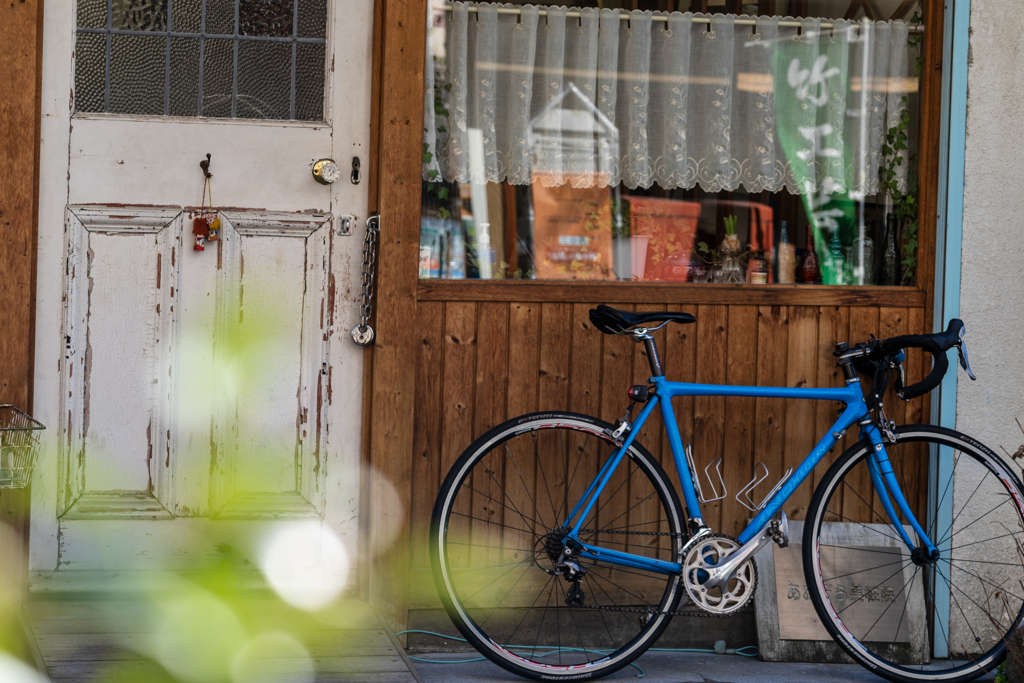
column 948, row 241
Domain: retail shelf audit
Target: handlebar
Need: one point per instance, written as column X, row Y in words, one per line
column 885, row 351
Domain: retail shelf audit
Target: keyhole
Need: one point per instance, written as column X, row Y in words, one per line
column 355, row 171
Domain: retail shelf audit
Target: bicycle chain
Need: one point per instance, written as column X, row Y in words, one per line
column 636, row 610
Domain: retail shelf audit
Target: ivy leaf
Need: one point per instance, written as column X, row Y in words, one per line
column 702, row 247
column 442, row 193
column 442, row 129
column 427, row 156
column 433, row 175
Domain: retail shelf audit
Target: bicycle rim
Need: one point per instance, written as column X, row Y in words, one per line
column 496, row 541
column 877, row 601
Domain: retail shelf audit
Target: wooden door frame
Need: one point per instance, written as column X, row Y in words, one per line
column 21, row 57
column 399, row 48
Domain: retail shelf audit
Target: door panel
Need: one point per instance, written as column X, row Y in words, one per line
column 120, row 331
column 273, row 292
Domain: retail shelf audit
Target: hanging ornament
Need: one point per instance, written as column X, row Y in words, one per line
column 201, row 224
column 213, row 220
column 200, row 231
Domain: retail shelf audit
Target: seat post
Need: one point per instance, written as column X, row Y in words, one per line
column 652, row 356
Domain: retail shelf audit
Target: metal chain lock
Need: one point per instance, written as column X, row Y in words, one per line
column 362, row 334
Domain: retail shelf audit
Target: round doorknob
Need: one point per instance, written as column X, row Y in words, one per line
column 325, row 171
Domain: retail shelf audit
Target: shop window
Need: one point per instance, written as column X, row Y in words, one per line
column 246, row 59
column 605, row 144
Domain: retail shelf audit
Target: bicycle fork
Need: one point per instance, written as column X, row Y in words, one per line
column 883, row 478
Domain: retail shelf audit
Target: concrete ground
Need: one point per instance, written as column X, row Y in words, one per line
column 665, row 667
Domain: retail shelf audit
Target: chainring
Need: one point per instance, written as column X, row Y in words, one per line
column 707, row 552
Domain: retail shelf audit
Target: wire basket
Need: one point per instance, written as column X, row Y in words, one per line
column 19, row 447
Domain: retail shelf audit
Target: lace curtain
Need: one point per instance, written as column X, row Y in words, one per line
column 599, row 99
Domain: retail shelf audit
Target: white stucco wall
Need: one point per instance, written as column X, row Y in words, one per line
column 992, row 288
column 992, row 281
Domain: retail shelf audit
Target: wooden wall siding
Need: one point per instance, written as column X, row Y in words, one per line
column 21, row 49
column 480, row 363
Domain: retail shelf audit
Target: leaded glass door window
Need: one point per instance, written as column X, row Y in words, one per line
column 244, row 59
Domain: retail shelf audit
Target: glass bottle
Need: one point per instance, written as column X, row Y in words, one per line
column 890, row 257
column 836, row 260
column 787, row 257
column 863, row 260
column 808, row 270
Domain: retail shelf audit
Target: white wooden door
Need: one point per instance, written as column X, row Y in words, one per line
column 199, row 403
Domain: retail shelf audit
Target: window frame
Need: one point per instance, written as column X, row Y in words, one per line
column 921, row 293
column 236, row 39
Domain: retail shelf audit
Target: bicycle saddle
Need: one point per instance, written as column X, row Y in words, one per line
column 614, row 321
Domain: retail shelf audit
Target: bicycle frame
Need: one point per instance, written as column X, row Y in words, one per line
column 856, row 412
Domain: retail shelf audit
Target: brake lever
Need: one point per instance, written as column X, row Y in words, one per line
column 961, row 350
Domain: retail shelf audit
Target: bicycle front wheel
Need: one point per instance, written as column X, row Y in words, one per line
column 496, row 540
column 905, row 617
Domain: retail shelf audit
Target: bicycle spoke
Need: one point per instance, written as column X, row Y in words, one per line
column 994, row 538
column 861, row 571
column 966, row 503
column 547, row 487
column 525, row 487
column 512, row 590
column 513, row 509
column 893, row 538
column 978, row 519
column 491, row 521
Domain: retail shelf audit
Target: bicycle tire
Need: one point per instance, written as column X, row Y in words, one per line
column 986, row 595
column 586, row 654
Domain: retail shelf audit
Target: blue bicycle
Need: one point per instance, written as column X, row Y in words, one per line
column 561, row 550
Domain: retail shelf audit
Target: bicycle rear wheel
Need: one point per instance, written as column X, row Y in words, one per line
column 878, row 601
column 496, row 537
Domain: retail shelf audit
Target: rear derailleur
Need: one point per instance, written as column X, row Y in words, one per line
column 574, row 573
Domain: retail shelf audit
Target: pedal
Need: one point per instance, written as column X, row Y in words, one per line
column 743, row 497
column 717, row 464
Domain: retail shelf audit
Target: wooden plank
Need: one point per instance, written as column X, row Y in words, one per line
column 123, row 615
column 521, row 398
column 553, row 394
column 929, row 147
column 660, row 293
column 616, row 375
column 679, row 356
column 459, row 381
column 738, row 465
column 905, row 459
column 75, row 672
column 363, row 569
column 426, row 461
column 643, row 507
column 857, row 507
column 489, row 411
column 399, row 178
column 770, row 413
column 709, row 411
column 555, row 344
column 917, row 409
column 585, row 398
column 98, row 647
column 21, row 46
column 833, row 327
column 801, row 371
